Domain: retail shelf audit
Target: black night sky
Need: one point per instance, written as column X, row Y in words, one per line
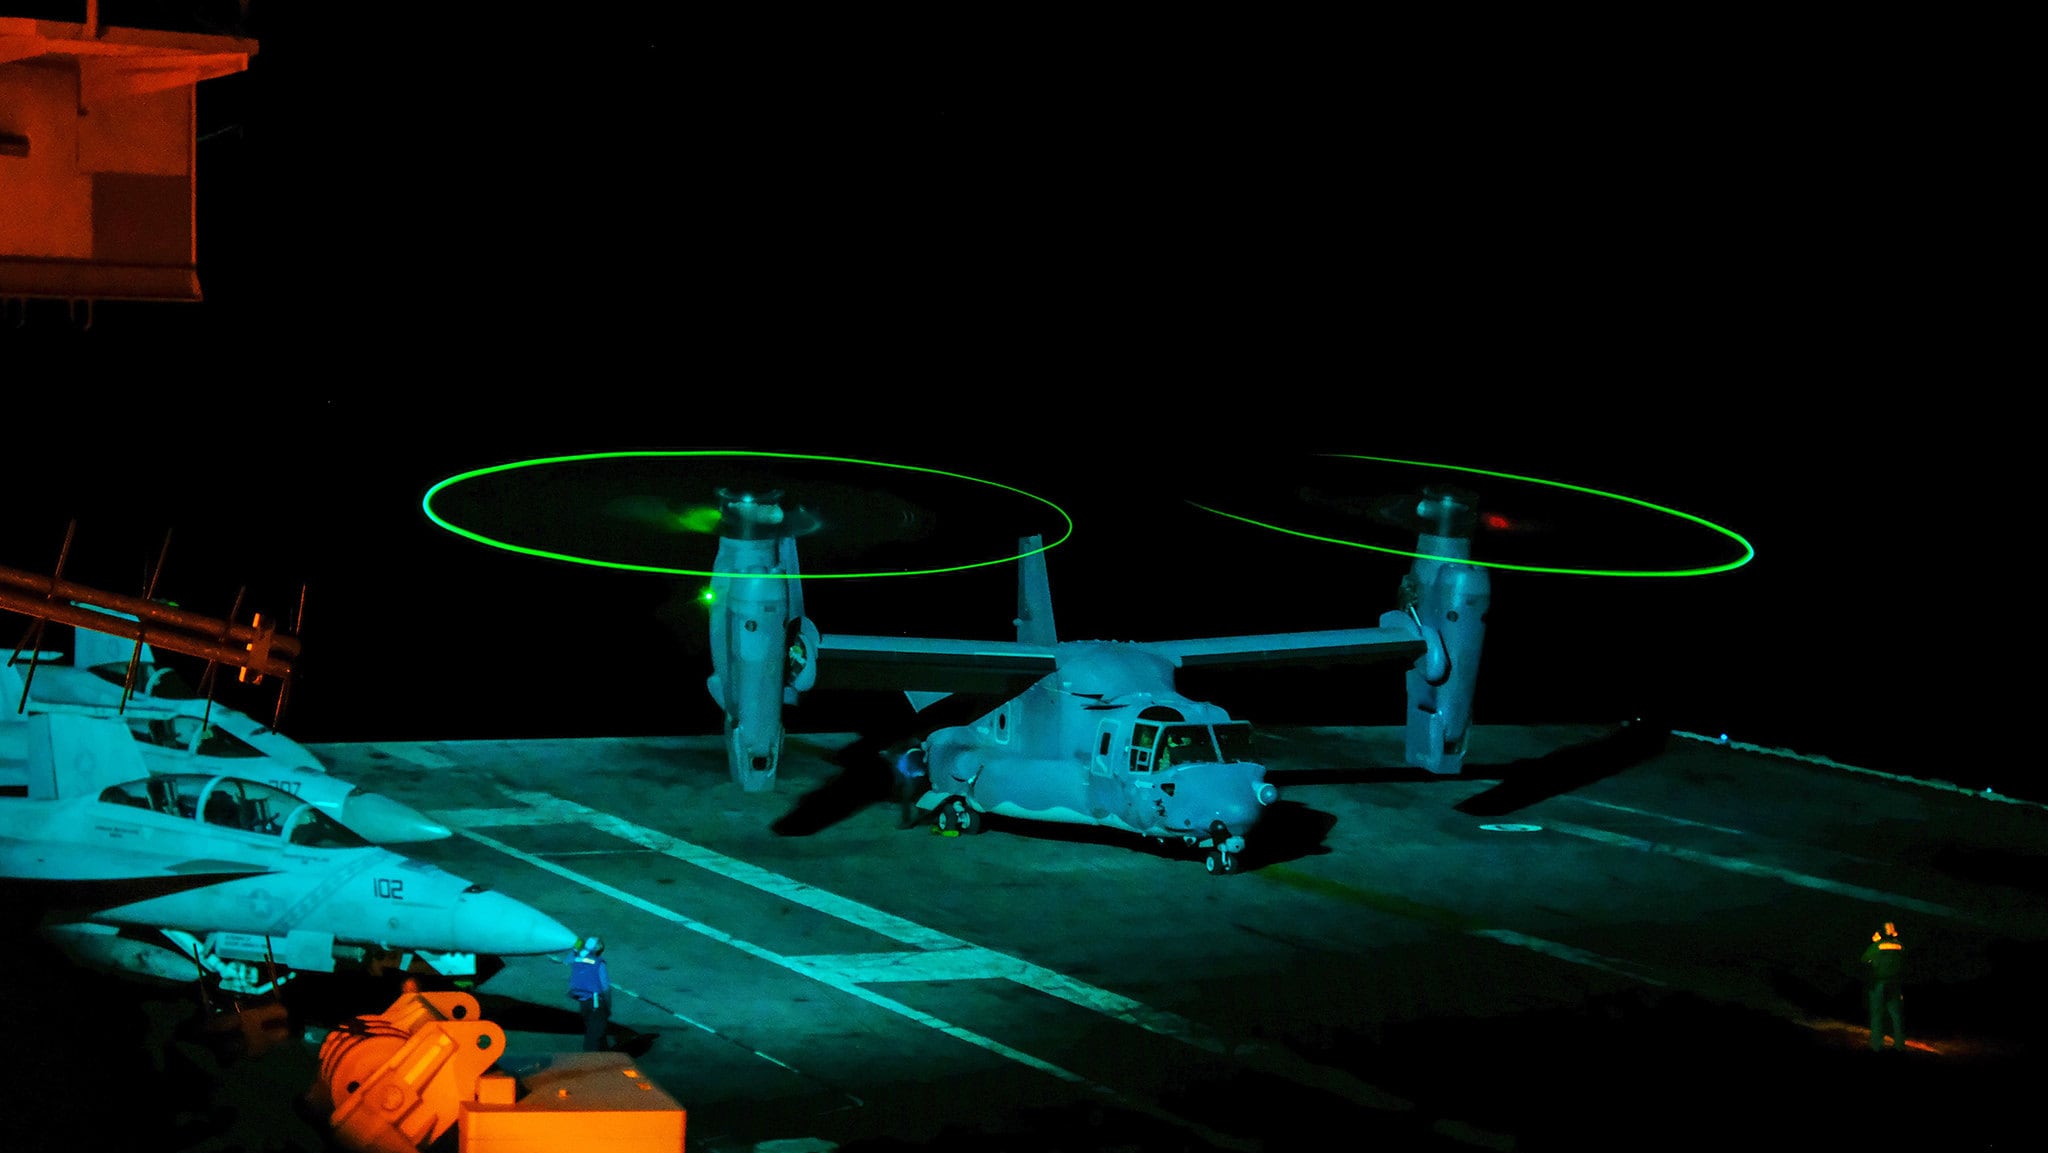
column 1109, row 269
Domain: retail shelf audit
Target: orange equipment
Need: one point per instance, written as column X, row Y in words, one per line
column 396, row 1082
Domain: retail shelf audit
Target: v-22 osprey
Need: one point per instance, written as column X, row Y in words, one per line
column 1086, row 732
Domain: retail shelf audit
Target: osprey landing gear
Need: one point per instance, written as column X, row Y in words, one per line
column 956, row 817
column 1224, row 851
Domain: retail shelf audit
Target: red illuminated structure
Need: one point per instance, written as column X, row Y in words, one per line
column 97, row 157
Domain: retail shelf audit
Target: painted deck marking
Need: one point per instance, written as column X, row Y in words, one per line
column 852, row 988
column 975, row 959
column 823, row 976
column 772, row 1060
column 1984, row 794
column 936, row 965
column 1658, row 816
column 1399, row 906
column 413, row 753
column 1567, row 953
column 1048, row 981
column 1752, row 868
column 492, row 818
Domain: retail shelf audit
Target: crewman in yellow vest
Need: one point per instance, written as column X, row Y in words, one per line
column 1884, row 970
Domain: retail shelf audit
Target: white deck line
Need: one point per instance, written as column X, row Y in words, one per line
column 1984, row 794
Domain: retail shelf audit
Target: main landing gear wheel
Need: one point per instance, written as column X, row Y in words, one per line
column 956, row 817
column 1219, row 862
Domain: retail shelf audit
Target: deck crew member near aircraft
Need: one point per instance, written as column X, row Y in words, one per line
column 1884, row 971
column 590, row 984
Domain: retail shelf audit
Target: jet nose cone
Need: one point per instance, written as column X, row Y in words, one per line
column 496, row 924
column 382, row 821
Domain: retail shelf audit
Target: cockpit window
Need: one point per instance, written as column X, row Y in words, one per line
column 1144, row 740
column 1189, row 743
column 245, row 805
column 314, row 829
column 216, row 742
column 190, row 734
column 134, row 794
column 1182, row 744
column 150, row 680
column 234, row 804
column 1234, row 740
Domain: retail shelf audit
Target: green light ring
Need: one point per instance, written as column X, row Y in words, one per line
column 1747, row 551
column 427, row 506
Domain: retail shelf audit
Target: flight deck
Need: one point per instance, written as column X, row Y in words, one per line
column 1580, row 942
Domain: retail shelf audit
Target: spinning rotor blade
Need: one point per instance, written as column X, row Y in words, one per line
column 1407, row 511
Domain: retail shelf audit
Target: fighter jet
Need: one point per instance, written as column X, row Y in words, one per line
column 1085, row 732
column 182, row 734
column 163, row 875
column 114, row 672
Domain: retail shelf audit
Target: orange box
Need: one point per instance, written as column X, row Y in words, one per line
column 579, row 1101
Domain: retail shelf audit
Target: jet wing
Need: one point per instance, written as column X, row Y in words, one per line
column 927, row 664
column 32, row 860
column 1379, row 644
column 46, row 880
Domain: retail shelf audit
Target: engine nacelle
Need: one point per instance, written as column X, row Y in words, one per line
column 761, row 645
column 1447, row 602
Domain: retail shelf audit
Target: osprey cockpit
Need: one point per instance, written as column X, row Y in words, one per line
column 1157, row 746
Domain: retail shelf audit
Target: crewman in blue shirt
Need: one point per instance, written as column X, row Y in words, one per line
column 1884, row 969
column 911, row 783
column 590, row 983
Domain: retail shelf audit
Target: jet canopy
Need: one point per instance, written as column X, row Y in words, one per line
column 230, row 802
column 190, row 734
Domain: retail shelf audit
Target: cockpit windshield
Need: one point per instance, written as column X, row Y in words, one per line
column 1182, row 744
column 1234, row 740
column 235, row 804
column 191, row 735
column 151, row 681
column 1161, row 747
column 1186, row 744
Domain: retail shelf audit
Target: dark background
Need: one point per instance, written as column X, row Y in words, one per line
column 1739, row 275
column 1834, row 640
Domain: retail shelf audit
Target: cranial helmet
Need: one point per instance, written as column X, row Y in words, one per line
column 593, row 945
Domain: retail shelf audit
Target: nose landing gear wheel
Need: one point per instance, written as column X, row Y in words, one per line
column 956, row 817
column 1219, row 862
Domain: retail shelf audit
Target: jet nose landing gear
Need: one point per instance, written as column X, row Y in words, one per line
column 1224, row 850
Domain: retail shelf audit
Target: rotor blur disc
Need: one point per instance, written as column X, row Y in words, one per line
column 1295, row 513
column 646, row 510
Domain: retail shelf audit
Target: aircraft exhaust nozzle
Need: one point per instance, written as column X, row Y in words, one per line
column 382, row 821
